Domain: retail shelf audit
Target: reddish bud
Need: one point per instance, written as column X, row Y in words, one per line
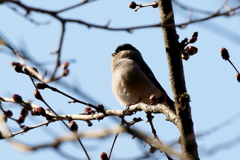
column 8, row 113
column 73, row 126
column 24, row 113
column 238, row 77
column 132, row 5
column 152, row 149
column 38, row 111
column 185, row 55
column 17, row 67
column 153, row 99
column 193, row 40
column 25, row 129
column 65, row 65
column 65, row 72
column 195, row 34
column 41, row 111
column 34, row 112
column 21, row 119
column 17, row 98
column 155, row 4
column 100, row 108
column 191, row 50
column 104, row 156
column 14, row 63
column 37, row 95
column 89, row 111
column 41, row 85
column 89, row 123
column 224, row 53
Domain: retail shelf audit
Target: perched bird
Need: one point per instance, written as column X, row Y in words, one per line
column 132, row 79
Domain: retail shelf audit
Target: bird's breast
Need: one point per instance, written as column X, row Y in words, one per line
column 130, row 84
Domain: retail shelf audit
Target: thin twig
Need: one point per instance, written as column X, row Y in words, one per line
column 58, row 51
column 76, row 5
column 41, row 99
column 233, row 65
column 150, row 118
column 128, row 29
column 114, row 141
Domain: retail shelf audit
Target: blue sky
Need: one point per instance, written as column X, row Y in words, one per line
column 210, row 80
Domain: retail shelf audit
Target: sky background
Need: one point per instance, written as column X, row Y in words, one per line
column 210, row 81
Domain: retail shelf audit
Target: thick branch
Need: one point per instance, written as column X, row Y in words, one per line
column 183, row 110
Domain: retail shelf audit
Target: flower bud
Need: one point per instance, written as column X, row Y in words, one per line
column 8, row 113
column 34, row 112
column 238, row 77
column 24, row 113
column 17, row 98
column 17, row 67
column 88, row 110
column 73, row 126
column 132, row 5
column 65, row 65
column 41, row 85
column 41, row 111
column 185, row 55
column 37, row 95
column 100, row 108
column 89, row 123
column 21, row 119
column 153, row 99
column 191, row 50
column 195, row 34
column 193, row 40
column 155, row 4
column 224, row 53
column 104, row 156
column 65, row 72
column 152, row 149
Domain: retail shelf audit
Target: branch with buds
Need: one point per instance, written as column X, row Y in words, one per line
column 225, row 55
column 136, row 7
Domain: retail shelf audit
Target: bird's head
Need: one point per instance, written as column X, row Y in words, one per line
column 123, row 47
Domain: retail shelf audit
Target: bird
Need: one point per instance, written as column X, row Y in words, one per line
column 132, row 79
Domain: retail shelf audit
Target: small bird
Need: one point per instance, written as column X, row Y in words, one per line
column 132, row 79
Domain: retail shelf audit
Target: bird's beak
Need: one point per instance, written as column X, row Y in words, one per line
column 114, row 54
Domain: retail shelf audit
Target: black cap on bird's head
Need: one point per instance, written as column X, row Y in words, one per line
column 123, row 47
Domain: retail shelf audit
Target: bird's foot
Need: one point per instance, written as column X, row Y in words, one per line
column 127, row 111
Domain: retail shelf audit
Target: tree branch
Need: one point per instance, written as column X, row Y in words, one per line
column 183, row 110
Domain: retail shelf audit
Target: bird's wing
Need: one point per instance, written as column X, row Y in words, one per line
column 144, row 67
